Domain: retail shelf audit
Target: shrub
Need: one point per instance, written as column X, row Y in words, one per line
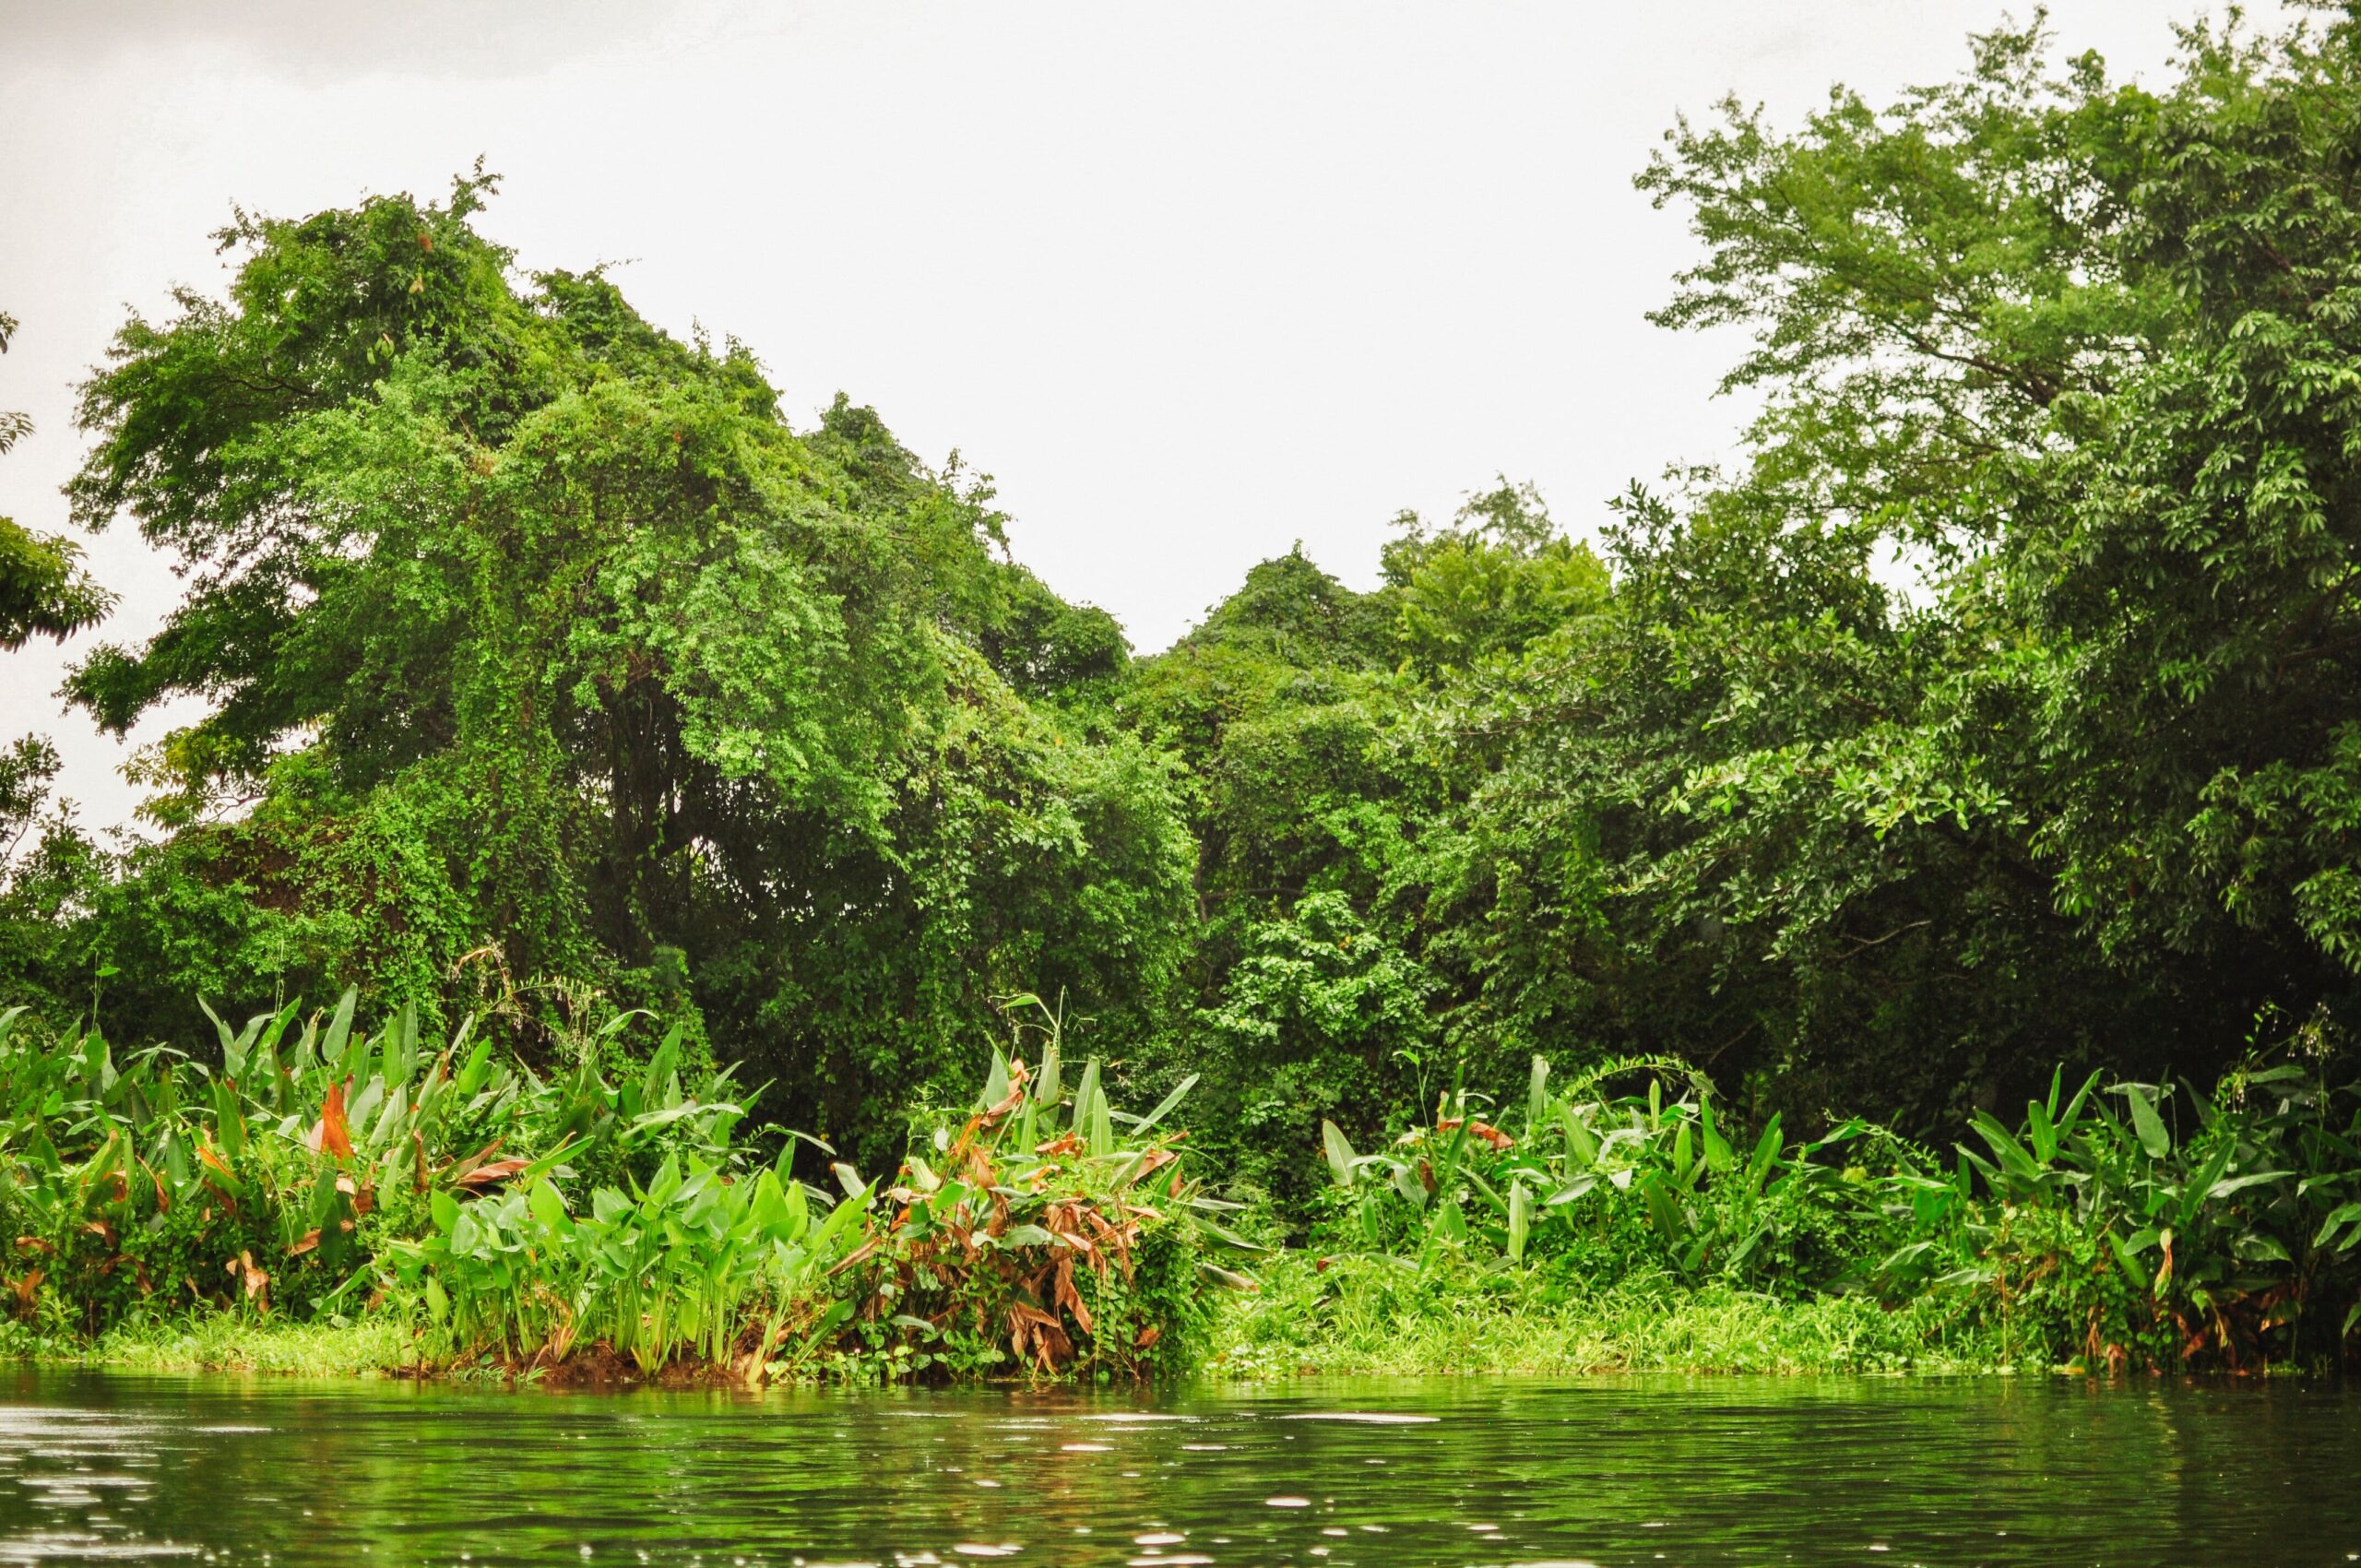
column 1045, row 1230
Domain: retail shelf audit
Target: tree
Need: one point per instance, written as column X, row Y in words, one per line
column 44, row 591
column 1362, row 923
column 538, row 645
column 2076, row 349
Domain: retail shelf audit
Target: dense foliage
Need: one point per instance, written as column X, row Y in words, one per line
column 583, row 1222
column 2000, row 707
column 1997, row 709
column 537, row 645
column 2115, row 1226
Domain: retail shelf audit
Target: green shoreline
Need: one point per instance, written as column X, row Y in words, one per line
column 1443, row 1327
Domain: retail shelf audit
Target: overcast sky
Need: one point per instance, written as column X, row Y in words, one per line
column 1195, row 280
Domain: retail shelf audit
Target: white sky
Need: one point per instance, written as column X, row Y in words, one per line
column 1194, row 279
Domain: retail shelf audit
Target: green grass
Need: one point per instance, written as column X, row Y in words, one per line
column 1372, row 1316
column 217, row 1341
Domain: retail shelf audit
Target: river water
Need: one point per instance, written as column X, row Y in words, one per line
column 1604, row 1471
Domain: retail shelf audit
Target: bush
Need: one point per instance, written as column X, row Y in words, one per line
column 1046, row 1231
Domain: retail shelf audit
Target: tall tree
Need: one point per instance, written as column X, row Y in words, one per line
column 537, row 643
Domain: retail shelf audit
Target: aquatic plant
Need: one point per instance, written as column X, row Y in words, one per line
column 2233, row 1240
column 1612, row 1185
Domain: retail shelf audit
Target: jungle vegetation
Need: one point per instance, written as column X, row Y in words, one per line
column 1991, row 728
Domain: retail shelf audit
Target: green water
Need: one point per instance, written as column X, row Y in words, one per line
column 1442, row 1471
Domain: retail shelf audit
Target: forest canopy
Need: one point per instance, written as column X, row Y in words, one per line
column 1997, row 709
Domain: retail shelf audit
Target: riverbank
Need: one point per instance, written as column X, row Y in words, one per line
column 224, row 1341
column 452, row 1213
column 1365, row 1315
column 1311, row 1317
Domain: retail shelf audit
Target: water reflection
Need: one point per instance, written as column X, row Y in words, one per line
column 1604, row 1472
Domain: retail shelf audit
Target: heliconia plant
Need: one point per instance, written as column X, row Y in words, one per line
column 1046, row 1230
column 523, row 1218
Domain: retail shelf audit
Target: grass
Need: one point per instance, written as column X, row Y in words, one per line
column 222, row 1341
column 1362, row 1316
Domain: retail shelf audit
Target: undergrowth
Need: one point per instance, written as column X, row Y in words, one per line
column 1372, row 1315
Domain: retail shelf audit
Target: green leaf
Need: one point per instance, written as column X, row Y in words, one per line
column 2224, row 1188
column 2040, row 1130
column 2014, row 1157
column 1663, row 1210
column 340, row 1027
column 1766, row 1155
column 1718, row 1154
column 476, row 1070
column 1047, row 1084
column 2147, row 1123
column 2126, row 1256
column 836, row 1317
column 1909, row 1252
column 1571, row 1190
column 673, row 1114
column 2258, row 1246
column 1580, row 1143
column 1102, row 1125
column 1164, row 1106
column 1340, row 1153
column 840, row 1220
column 1449, row 1224
column 995, row 1082
column 549, row 1208
column 2073, row 1112
column 2343, row 1214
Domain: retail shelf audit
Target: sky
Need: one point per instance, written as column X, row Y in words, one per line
column 1193, row 281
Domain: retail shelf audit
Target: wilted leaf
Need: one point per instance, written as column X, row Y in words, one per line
column 490, row 1174
column 332, row 1136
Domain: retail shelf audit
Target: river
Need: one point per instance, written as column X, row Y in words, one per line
column 1333, row 1473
